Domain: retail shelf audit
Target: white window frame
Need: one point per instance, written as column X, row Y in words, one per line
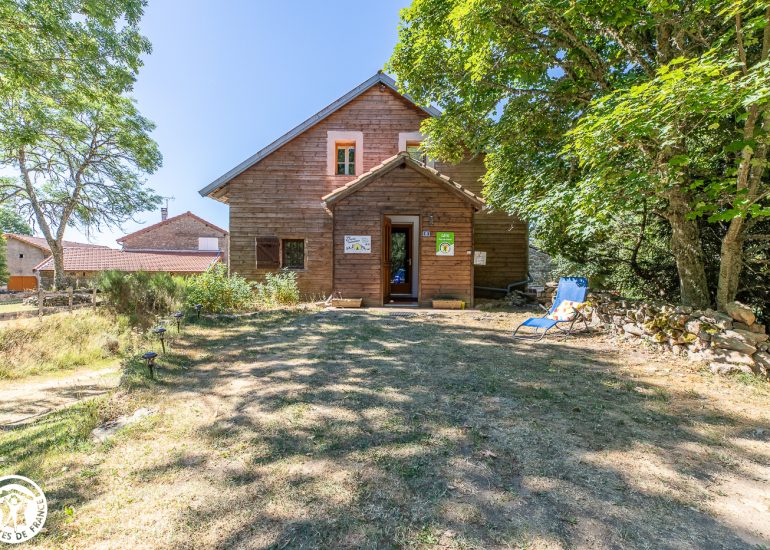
column 204, row 241
column 335, row 137
column 349, row 168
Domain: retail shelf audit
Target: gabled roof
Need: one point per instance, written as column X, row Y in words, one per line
column 403, row 158
column 42, row 244
column 379, row 78
column 168, row 221
column 103, row 259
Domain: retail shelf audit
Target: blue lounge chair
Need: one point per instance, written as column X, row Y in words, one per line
column 570, row 288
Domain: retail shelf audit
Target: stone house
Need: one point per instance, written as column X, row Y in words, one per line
column 181, row 245
column 24, row 253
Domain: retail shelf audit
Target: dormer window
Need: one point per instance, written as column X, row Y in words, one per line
column 346, row 159
column 411, row 142
column 413, row 148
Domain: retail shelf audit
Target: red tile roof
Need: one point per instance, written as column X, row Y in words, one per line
column 167, row 221
column 103, row 259
column 42, row 244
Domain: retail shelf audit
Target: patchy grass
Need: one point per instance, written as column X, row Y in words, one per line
column 60, row 342
column 431, row 430
column 8, row 308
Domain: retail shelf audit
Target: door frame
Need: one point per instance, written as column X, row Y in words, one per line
column 408, row 228
column 401, row 218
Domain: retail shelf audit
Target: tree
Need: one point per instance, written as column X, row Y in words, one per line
column 79, row 144
column 697, row 123
column 515, row 79
column 11, row 221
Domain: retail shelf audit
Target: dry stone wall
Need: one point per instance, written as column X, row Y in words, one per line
column 728, row 342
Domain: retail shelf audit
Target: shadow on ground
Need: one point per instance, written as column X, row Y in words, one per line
column 367, row 430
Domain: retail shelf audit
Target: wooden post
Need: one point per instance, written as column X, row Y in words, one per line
column 40, row 301
column 93, row 298
column 69, row 297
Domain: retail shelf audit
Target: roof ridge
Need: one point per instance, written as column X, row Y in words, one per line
column 168, row 220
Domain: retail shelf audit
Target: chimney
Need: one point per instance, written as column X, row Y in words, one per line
column 163, row 213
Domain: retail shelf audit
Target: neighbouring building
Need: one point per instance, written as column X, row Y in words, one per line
column 182, row 245
column 183, row 233
column 23, row 253
column 349, row 203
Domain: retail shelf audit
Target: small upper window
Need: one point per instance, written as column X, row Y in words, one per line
column 346, row 159
column 208, row 243
column 21, row 256
column 293, row 254
column 413, row 148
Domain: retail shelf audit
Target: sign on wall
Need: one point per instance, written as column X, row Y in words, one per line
column 445, row 243
column 358, row 244
column 479, row 258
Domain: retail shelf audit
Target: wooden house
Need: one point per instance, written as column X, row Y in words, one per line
column 349, row 203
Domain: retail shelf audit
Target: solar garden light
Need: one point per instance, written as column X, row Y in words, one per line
column 198, row 310
column 150, row 358
column 179, row 316
column 161, row 332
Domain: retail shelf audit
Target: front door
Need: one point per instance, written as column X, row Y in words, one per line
column 400, row 260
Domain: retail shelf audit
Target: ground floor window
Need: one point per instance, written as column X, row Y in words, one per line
column 293, row 253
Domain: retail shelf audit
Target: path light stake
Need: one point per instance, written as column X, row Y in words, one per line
column 150, row 358
column 198, row 311
column 179, row 316
column 161, row 332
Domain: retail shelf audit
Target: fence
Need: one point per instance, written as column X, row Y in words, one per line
column 49, row 302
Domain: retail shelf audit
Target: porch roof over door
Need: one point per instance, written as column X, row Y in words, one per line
column 403, row 159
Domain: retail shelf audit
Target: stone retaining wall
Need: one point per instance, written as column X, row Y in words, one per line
column 731, row 342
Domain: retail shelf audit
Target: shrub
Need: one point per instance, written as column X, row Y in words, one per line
column 219, row 292
column 278, row 289
column 141, row 296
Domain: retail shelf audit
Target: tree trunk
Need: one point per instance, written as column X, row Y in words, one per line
column 730, row 264
column 688, row 252
column 58, row 266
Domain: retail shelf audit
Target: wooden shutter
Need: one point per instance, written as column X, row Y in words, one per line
column 268, row 253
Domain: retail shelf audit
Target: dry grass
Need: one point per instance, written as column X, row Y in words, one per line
column 60, row 342
column 8, row 308
column 369, row 430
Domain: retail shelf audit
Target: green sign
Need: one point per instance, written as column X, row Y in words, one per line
column 445, row 243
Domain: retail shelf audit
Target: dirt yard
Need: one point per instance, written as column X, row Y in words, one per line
column 390, row 429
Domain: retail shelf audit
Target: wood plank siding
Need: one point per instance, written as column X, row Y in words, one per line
column 404, row 192
column 281, row 196
column 504, row 238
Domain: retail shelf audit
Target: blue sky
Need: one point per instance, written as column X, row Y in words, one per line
column 226, row 78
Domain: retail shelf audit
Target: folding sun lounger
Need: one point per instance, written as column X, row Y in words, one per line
column 566, row 310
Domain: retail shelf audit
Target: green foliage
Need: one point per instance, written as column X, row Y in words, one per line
column 67, row 125
column 219, row 292
column 141, row 296
column 593, row 117
column 12, row 222
column 278, row 289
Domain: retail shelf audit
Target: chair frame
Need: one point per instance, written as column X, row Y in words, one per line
column 539, row 332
